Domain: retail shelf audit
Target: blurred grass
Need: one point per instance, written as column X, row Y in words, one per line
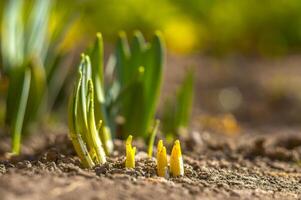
column 31, row 62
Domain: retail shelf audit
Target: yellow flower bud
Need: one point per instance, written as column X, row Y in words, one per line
column 176, row 160
column 162, row 167
column 130, row 153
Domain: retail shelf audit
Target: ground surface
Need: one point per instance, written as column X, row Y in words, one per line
column 251, row 163
column 245, row 167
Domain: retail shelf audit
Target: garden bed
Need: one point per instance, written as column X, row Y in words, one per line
column 253, row 165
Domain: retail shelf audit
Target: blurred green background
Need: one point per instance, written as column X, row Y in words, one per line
column 206, row 33
column 264, row 27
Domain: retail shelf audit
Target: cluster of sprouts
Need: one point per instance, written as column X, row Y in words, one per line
column 130, row 91
column 34, row 70
column 84, row 132
column 175, row 167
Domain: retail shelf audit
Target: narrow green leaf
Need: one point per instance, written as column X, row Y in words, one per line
column 122, row 55
column 184, row 100
column 153, row 79
column 36, row 31
column 177, row 111
column 21, row 108
column 154, row 68
column 93, row 134
column 12, row 37
column 84, row 69
column 152, row 138
column 56, row 80
column 96, row 56
column 137, row 55
column 38, row 90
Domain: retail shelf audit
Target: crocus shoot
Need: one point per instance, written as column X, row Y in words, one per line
column 162, row 166
column 130, row 153
column 176, row 160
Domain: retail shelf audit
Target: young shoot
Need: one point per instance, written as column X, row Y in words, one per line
column 176, row 160
column 130, row 153
column 152, row 138
column 162, row 166
column 101, row 114
column 177, row 111
column 83, row 130
column 106, row 138
column 139, row 70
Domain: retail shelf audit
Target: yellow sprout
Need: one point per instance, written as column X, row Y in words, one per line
column 130, row 153
column 159, row 146
column 176, row 160
column 161, row 160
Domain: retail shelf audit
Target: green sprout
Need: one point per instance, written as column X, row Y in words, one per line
column 133, row 79
column 131, row 93
column 101, row 111
column 152, row 139
column 136, row 87
column 30, row 61
column 83, row 129
column 130, row 89
column 176, row 112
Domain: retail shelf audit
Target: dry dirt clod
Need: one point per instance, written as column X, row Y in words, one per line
column 102, row 169
column 52, row 155
column 24, row 164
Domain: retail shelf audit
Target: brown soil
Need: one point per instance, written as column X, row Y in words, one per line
column 249, row 166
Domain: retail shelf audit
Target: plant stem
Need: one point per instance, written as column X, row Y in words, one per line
column 17, row 126
column 152, row 138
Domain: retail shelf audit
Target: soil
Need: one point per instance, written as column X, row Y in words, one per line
column 249, row 166
column 259, row 162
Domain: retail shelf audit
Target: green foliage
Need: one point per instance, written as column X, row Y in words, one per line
column 30, row 61
column 101, row 112
column 176, row 112
column 83, row 130
column 132, row 93
column 139, row 70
